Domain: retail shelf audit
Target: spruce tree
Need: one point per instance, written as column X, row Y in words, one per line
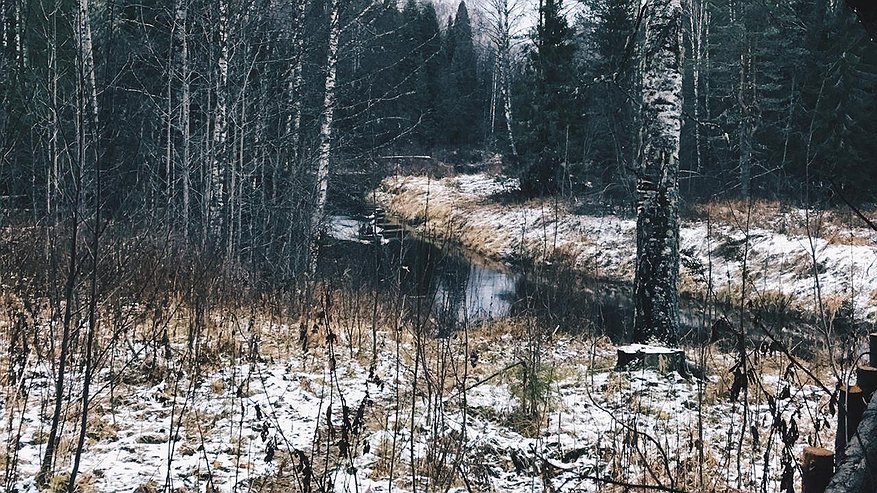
column 459, row 100
column 550, row 111
column 420, row 69
column 608, row 82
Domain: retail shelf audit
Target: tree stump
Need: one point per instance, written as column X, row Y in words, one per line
column 850, row 407
column 866, row 377
column 817, row 467
column 659, row 358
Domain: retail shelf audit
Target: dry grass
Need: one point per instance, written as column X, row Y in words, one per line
column 836, row 225
column 226, row 327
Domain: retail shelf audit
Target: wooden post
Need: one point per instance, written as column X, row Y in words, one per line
column 872, row 348
column 866, row 378
column 850, row 408
column 817, row 466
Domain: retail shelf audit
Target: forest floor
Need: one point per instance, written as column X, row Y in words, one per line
column 773, row 256
column 545, row 413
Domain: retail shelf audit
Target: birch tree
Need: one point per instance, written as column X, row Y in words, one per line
column 216, row 179
column 184, row 73
column 747, row 104
column 296, row 82
column 656, row 295
column 504, row 17
column 325, row 150
column 87, row 128
column 699, row 28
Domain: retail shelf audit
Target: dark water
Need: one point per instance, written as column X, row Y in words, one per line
column 450, row 289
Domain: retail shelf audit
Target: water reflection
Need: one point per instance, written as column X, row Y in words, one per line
column 445, row 289
column 437, row 283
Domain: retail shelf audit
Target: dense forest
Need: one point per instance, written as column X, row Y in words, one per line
column 209, row 114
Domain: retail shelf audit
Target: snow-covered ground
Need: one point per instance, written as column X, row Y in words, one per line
column 833, row 264
column 446, row 414
column 264, row 426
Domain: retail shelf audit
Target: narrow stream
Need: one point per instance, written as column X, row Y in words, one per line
column 455, row 289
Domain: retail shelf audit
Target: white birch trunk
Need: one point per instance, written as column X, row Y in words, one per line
column 86, row 50
column 322, row 176
column 52, row 185
column 216, row 188
column 181, row 20
column 699, row 19
column 20, row 53
column 504, row 14
column 656, row 294
column 3, row 26
column 747, row 123
column 296, row 82
column 507, row 103
column 494, row 88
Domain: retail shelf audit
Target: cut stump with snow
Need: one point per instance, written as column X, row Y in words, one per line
column 817, row 467
column 660, row 358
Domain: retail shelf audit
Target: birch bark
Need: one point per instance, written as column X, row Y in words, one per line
column 216, row 186
column 656, row 296
column 322, row 176
column 181, row 15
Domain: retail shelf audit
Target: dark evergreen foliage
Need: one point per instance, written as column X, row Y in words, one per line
column 460, row 87
column 550, row 114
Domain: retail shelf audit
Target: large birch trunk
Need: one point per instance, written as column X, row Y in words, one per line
column 858, row 473
column 656, row 295
column 322, row 177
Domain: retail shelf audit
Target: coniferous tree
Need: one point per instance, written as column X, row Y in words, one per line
column 420, row 67
column 460, row 82
column 549, row 113
column 840, row 98
column 608, row 83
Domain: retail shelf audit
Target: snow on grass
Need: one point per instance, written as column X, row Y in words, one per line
column 449, row 432
column 833, row 265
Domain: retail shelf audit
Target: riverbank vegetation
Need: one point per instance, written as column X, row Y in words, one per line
column 760, row 253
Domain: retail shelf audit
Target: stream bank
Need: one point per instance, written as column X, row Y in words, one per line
column 830, row 272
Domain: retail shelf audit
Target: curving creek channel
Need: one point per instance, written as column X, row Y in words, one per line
column 450, row 288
